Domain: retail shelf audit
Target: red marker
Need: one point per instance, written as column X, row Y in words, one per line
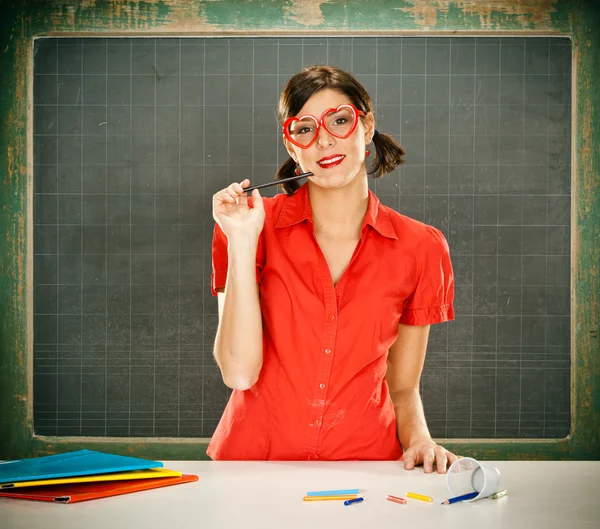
column 395, row 499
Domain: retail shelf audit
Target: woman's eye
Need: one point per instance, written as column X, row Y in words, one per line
column 340, row 121
column 304, row 130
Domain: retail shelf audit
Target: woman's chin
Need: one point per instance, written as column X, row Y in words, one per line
column 331, row 181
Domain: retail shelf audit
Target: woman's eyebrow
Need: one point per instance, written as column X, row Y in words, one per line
column 319, row 114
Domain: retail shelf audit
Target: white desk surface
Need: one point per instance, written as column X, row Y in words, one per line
column 550, row 494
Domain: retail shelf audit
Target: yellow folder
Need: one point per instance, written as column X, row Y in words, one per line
column 151, row 473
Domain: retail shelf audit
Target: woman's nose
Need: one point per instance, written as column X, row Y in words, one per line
column 323, row 137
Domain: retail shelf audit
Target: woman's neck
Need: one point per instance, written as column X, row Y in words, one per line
column 339, row 212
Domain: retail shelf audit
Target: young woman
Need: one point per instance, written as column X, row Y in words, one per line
column 326, row 296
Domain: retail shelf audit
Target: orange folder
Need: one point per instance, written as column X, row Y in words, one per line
column 76, row 492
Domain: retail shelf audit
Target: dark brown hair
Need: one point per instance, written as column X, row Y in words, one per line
column 388, row 153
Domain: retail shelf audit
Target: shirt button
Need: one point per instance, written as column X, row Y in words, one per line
column 332, row 316
column 327, row 351
column 322, row 386
column 316, row 422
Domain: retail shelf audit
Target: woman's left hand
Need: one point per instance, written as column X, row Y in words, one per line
column 426, row 452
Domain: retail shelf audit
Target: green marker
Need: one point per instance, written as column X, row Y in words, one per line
column 499, row 494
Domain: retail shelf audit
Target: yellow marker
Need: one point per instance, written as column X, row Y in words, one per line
column 418, row 496
column 325, row 498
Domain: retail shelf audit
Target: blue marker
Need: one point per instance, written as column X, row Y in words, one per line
column 352, row 502
column 335, row 492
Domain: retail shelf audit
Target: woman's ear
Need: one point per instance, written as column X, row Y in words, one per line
column 369, row 124
column 290, row 149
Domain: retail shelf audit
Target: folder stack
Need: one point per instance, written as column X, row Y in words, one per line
column 83, row 475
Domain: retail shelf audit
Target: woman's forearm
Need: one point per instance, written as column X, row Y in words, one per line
column 410, row 417
column 238, row 345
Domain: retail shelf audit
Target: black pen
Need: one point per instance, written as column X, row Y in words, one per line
column 277, row 182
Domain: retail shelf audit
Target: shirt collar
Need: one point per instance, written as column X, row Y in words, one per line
column 296, row 209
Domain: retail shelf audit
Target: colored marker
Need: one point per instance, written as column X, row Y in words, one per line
column 395, row 499
column 335, row 492
column 418, row 496
column 327, row 498
column 352, row 502
column 464, row 497
column 499, row 494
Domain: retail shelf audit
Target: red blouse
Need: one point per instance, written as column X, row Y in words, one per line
column 321, row 393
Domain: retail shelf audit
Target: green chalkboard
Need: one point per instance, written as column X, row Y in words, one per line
column 321, row 23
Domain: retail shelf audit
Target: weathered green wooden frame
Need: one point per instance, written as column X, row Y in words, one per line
column 22, row 21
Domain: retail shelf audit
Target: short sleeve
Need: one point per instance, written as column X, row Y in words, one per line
column 220, row 261
column 433, row 297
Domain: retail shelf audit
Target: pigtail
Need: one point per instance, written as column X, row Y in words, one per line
column 287, row 170
column 388, row 155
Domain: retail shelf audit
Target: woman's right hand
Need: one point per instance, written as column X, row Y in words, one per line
column 233, row 214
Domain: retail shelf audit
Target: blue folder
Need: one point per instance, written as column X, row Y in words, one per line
column 79, row 463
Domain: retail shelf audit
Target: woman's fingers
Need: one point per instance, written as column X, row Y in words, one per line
column 409, row 461
column 451, row 458
column 428, row 459
column 429, row 454
column 257, row 201
column 243, row 184
column 441, row 459
column 225, row 196
column 238, row 188
column 242, row 197
column 232, row 193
